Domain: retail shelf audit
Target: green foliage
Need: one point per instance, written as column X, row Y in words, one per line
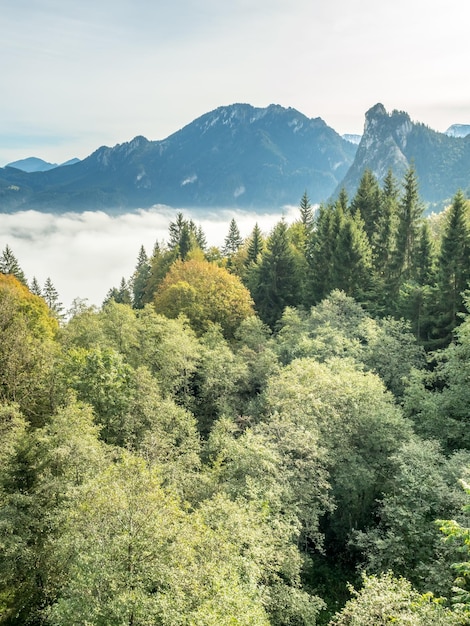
column 355, row 420
column 387, row 600
column 205, row 294
column 277, row 281
column 422, row 487
column 439, row 401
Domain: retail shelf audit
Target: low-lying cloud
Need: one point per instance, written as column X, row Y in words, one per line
column 85, row 254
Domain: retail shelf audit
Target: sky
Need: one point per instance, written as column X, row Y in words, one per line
column 79, row 75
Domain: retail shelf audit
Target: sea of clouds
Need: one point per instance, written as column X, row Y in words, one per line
column 86, row 254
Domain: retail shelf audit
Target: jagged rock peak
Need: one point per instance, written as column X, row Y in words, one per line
column 375, row 111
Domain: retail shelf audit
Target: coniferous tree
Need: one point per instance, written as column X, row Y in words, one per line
column 454, row 265
column 320, row 254
column 51, row 296
column 306, row 212
column 9, row 265
column 409, row 214
column 368, row 202
column 35, row 287
column 352, row 261
column 384, row 238
column 121, row 295
column 140, row 279
column 233, row 240
column 277, row 283
column 255, row 245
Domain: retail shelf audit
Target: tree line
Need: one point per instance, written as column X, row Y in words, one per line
column 258, row 434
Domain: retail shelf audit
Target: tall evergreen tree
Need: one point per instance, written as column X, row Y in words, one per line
column 35, row 287
column 140, row 279
column 320, row 252
column 306, row 212
column 383, row 242
column 454, row 264
column 233, row 240
column 9, row 265
column 409, row 215
column 352, row 261
column 368, row 202
column 255, row 245
column 277, row 283
column 51, row 296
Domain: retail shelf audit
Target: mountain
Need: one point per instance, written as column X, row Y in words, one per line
column 32, row 164
column 235, row 156
column 458, row 130
column 393, row 141
column 356, row 139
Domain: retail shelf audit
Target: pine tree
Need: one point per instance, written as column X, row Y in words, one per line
column 409, row 215
column 306, row 212
column 51, row 296
column 140, row 279
column 454, row 264
column 233, row 240
column 35, row 287
column 121, row 295
column 321, row 250
column 255, row 245
column 9, row 265
column 368, row 202
column 277, row 283
column 352, row 261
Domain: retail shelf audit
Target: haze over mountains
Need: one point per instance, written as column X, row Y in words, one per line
column 239, row 156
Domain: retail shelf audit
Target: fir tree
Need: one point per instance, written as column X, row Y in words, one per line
column 140, row 279
column 306, row 212
column 35, row 287
column 233, row 240
column 368, row 202
column 51, row 296
column 277, row 280
column 454, row 264
column 255, row 245
column 9, row 265
column 409, row 215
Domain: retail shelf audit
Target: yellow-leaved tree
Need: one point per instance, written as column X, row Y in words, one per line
column 205, row 294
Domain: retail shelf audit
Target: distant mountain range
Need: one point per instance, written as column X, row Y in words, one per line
column 33, row 164
column 239, row 156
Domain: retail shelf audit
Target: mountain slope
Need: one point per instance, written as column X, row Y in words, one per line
column 393, row 141
column 234, row 156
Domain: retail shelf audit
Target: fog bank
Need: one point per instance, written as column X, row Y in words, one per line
column 85, row 254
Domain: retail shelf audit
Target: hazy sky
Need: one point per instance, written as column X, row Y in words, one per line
column 78, row 75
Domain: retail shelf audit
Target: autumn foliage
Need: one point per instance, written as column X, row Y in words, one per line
column 204, row 293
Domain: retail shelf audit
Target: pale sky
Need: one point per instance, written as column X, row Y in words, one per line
column 79, row 75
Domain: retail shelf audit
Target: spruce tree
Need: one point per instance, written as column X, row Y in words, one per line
column 409, row 215
column 140, row 279
column 9, row 265
column 306, row 212
column 368, row 202
column 352, row 261
column 233, row 240
column 51, row 296
column 320, row 253
column 453, row 265
column 35, row 287
column 255, row 245
column 277, row 284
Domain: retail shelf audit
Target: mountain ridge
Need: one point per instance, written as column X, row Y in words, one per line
column 240, row 156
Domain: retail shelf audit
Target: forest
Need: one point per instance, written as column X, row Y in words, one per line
column 268, row 433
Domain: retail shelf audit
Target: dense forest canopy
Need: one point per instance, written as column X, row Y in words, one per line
column 274, row 432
